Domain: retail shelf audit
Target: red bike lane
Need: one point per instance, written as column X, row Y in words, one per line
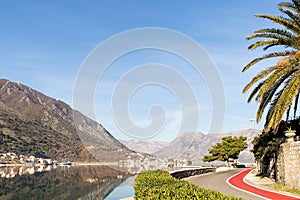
column 238, row 182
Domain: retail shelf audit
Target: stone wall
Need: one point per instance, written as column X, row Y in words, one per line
column 191, row 172
column 289, row 164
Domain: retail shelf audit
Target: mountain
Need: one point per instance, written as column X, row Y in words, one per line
column 33, row 123
column 193, row 146
column 145, row 146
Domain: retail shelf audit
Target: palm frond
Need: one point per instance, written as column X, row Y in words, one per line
column 267, row 96
column 284, row 100
column 288, row 113
column 267, row 35
column 258, row 77
column 296, row 104
column 295, row 6
column 293, row 16
column 254, row 92
column 266, row 99
column 270, row 55
column 273, row 40
column 264, row 43
column 272, row 107
column 282, row 32
column 275, row 76
column 288, row 23
column 269, row 46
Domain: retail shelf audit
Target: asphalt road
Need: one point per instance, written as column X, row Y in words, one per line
column 217, row 181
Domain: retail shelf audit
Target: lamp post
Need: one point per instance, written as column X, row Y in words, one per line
column 252, row 121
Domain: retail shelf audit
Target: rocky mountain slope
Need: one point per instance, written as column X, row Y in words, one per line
column 145, row 146
column 33, row 123
column 193, row 146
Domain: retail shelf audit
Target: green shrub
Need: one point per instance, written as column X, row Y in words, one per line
column 160, row 184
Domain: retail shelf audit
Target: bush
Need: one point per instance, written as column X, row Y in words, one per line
column 160, row 184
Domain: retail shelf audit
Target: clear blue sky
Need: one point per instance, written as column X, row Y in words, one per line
column 43, row 44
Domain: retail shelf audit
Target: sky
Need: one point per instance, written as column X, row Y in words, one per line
column 44, row 45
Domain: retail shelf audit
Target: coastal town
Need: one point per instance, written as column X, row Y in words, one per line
column 151, row 163
column 10, row 158
column 12, row 164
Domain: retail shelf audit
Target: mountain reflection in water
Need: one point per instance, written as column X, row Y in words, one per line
column 77, row 182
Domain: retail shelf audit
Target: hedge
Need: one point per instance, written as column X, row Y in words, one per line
column 160, row 184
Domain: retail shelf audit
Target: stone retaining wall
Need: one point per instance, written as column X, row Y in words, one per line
column 289, row 164
column 191, row 172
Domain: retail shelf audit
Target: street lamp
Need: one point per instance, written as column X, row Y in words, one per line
column 252, row 121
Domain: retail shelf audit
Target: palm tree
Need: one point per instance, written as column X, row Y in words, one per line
column 277, row 87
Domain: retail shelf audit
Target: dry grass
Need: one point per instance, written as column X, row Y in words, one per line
column 254, row 172
column 281, row 187
column 276, row 186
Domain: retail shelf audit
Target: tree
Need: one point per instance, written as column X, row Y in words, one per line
column 277, row 87
column 229, row 147
column 266, row 148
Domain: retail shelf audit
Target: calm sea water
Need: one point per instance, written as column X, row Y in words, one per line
column 121, row 192
column 124, row 190
column 78, row 182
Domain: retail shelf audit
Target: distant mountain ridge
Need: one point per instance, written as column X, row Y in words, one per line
column 31, row 122
column 193, row 146
column 145, row 146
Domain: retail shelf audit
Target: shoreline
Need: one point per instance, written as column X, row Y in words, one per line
column 95, row 163
column 75, row 164
column 16, row 165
